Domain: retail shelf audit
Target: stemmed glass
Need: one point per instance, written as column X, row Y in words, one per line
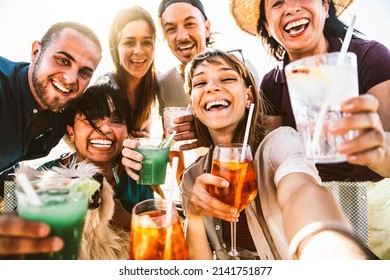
column 234, row 162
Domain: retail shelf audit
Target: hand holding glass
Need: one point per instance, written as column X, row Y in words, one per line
column 64, row 211
column 154, row 164
column 317, row 86
column 235, row 164
column 169, row 116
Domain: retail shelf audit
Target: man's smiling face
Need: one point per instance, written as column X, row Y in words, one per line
column 185, row 30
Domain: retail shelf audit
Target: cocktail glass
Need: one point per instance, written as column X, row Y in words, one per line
column 64, row 211
column 154, row 164
column 235, row 164
column 317, row 86
column 169, row 116
column 157, row 232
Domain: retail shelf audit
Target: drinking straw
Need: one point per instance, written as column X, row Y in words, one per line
column 246, row 136
column 168, row 214
column 166, row 144
column 340, row 60
column 175, row 162
column 25, row 184
column 315, row 144
column 347, row 40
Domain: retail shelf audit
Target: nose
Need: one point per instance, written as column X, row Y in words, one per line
column 70, row 76
column 182, row 34
column 212, row 86
column 138, row 48
column 104, row 125
column 292, row 6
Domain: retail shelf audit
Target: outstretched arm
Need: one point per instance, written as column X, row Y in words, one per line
column 314, row 223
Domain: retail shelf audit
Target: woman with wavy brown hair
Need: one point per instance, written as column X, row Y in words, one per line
column 132, row 42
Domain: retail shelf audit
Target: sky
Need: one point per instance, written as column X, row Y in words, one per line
column 23, row 21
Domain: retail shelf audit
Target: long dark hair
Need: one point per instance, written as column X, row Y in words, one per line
column 258, row 126
column 333, row 27
column 148, row 88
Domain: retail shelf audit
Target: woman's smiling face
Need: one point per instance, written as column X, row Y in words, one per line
column 219, row 97
column 92, row 145
column 136, row 48
column 297, row 25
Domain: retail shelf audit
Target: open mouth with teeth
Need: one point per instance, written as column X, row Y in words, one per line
column 101, row 143
column 186, row 48
column 60, row 87
column 296, row 27
column 138, row 62
column 215, row 105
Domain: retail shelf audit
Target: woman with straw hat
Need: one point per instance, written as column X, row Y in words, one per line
column 293, row 29
column 276, row 225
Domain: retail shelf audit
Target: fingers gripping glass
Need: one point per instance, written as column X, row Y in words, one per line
column 235, row 164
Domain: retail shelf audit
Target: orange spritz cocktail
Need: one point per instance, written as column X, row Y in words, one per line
column 154, row 236
column 234, row 162
column 242, row 188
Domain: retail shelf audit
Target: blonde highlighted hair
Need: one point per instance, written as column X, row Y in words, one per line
column 258, row 126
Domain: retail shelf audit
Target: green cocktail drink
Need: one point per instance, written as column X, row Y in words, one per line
column 154, row 164
column 64, row 211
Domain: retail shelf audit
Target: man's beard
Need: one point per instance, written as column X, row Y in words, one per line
column 55, row 104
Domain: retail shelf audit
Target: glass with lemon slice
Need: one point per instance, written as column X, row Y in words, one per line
column 64, row 210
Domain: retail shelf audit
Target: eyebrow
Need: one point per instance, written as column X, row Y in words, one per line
column 221, row 69
column 134, row 38
column 74, row 60
column 186, row 19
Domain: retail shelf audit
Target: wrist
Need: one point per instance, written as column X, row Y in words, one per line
column 331, row 245
column 326, row 240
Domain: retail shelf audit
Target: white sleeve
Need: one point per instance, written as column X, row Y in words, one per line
column 284, row 152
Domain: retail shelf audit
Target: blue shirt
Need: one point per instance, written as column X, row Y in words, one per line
column 18, row 109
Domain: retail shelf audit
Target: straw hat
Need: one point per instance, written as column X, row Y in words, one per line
column 246, row 13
